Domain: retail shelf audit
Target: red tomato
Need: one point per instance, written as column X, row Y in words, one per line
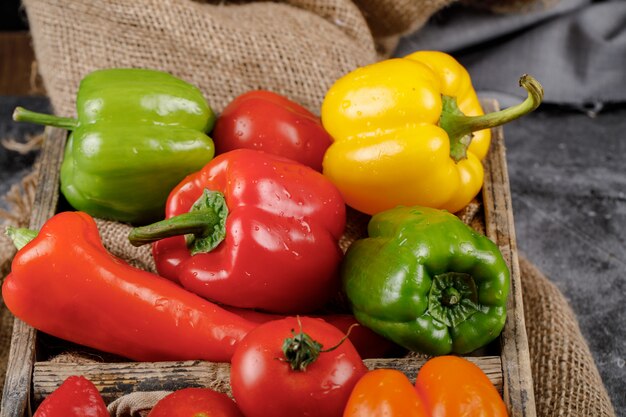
column 269, row 122
column 75, row 397
column 264, row 383
column 195, row 402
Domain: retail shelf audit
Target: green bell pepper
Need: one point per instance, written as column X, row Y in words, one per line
column 139, row 132
column 427, row 281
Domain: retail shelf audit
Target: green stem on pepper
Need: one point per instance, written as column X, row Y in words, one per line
column 453, row 298
column 20, row 114
column 460, row 127
column 204, row 226
column 20, row 236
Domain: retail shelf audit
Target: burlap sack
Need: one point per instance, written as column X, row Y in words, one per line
column 294, row 47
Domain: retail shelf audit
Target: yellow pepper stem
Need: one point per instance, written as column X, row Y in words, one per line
column 460, row 127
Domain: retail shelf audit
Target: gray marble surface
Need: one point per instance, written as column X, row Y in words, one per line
column 568, row 185
column 568, row 182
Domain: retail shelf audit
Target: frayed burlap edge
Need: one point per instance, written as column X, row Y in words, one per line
column 566, row 379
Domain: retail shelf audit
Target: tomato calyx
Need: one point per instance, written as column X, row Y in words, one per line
column 301, row 350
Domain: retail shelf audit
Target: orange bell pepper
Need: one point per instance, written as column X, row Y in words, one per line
column 446, row 386
column 384, row 392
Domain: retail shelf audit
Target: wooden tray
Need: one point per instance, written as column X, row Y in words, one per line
column 31, row 375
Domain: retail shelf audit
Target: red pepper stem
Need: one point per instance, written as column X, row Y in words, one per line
column 204, row 226
column 20, row 236
column 20, row 114
column 460, row 127
column 196, row 223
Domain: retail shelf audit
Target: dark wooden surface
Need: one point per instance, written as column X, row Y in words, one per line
column 116, row 379
column 500, row 227
column 17, row 65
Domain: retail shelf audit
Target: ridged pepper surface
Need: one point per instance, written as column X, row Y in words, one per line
column 427, row 281
column 411, row 131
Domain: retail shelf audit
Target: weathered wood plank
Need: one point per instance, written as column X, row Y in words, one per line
column 518, row 391
column 114, row 380
column 15, row 396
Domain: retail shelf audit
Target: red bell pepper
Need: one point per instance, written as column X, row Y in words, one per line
column 269, row 122
column 64, row 282
column 265, row 233
column 75, row 397
column 195, row 402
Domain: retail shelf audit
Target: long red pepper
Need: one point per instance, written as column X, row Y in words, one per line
column 65, row 283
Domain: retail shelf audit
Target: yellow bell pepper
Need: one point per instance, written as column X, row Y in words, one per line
column 411, row 131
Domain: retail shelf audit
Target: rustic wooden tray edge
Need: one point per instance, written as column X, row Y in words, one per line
column 510, row 372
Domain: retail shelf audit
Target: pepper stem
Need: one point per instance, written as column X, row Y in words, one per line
column 20, row 114
column 20, row 236
column 460, row 127
column 450, row 297
column 453, row 298
column 196, row 223
column 204, row 226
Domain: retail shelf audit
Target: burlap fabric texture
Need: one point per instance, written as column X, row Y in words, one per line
column 297, row 48
column 294, row 47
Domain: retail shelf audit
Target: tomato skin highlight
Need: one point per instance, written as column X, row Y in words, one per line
column 77, row 396
column 269, row 122
column 195, row 402
column 384, row 393
column 264, row 384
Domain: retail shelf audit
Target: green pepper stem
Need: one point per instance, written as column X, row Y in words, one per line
column 20, row 114
column 459, row 126
column 20, row 236
column 450, row 297
column 196, row 223
column 204, row 226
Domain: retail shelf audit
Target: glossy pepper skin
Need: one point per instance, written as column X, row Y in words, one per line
column 138, row 133
column 410, row 131
column 451, row 386
column 280, row 228
column 427, row 281
column 195, row 402
column 269, row 122
column 446, row 386
column 64, row 283
column 384, row 393
column 75, row 397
